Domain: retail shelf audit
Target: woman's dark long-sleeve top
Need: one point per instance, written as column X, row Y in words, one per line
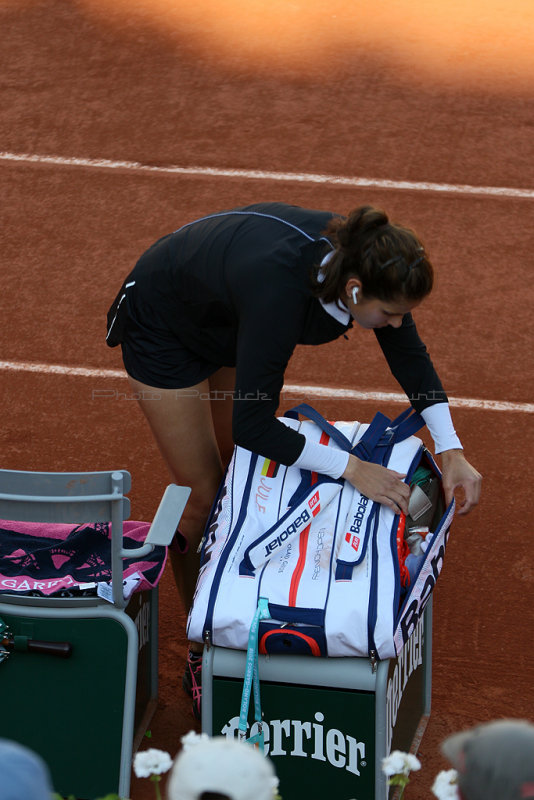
column 235, row 289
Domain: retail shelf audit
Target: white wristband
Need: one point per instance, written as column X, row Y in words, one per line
column 439, row 422
column 322, row 459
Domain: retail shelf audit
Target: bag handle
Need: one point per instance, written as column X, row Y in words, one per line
column 381, row 428
column 376, row 434
column 407, row 423
column 310, row 412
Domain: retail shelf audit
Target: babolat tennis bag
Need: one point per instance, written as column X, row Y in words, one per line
column 337, row 574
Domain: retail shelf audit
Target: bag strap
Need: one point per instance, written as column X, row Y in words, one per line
column 406, row 424
column 403, row 426
column 290, row 525
column 335, row 434
column 252, row 679
column 375, row 435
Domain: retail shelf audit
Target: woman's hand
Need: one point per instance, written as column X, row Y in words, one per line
column 378, row 483
column 459, row 474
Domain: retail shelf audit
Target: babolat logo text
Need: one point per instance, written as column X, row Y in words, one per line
column 292, row 528
column 359, row 515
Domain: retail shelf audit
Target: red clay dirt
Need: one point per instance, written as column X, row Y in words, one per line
column 381, row 99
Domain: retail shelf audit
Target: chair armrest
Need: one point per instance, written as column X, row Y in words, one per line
column 165, row 522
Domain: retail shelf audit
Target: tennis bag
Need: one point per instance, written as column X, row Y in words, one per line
column 337, row 574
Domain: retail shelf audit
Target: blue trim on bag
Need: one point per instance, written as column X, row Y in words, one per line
column 344, row 568
column 343, row 571
column 305, row 484
column 212, row 512
column 281, row 492
column 373, row 594
column 223, row 557
column 308, row 616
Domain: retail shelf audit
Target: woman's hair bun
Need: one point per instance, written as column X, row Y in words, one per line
column 388, row 259
column 361, row 222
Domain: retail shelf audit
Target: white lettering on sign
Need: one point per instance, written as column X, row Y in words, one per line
column 307, row 739
column 410, row 658
column 142, row 623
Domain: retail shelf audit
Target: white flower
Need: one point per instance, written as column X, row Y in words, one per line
column 275, row 783
column 412, row 762
column 399, row 763
column 151, row 762
column 445, row 785
column 393, row 764
column 193, row 738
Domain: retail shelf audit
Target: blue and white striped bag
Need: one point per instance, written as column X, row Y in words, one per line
column 323, row 555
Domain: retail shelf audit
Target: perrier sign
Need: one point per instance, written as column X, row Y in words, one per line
column 326, row 740
column 310, row 732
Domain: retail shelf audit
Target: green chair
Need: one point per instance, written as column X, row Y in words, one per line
column 79, row 675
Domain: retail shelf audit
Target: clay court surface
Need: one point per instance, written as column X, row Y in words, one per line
column 121, row 121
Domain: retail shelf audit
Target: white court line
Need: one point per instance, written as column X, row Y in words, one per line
column 59, row 369
column 253, row 174
column 291, row 388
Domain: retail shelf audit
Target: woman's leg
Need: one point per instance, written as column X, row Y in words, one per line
column 193, row 428
column 222, row 385
column 182, row 423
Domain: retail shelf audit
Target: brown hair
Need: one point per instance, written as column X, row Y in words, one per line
column 387, row 258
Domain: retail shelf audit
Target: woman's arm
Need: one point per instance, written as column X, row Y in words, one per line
column 411, row 365
column 459, row 474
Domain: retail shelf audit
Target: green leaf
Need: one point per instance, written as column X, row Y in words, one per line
column 399, row 780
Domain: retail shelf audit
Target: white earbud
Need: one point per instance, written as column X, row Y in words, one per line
column 355, row 295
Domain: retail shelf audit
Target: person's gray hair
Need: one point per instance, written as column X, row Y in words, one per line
column 24, row 774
